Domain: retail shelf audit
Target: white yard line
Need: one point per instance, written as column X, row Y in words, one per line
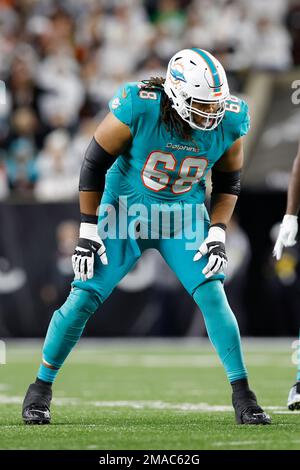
column 234, row 443
column 241, row 443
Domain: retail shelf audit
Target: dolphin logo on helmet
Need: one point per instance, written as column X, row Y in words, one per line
column 177, row 75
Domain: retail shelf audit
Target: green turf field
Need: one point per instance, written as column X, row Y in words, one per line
column 148, row 395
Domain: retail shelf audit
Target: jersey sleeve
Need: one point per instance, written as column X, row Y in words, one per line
column 245, row 120
column 121, row 105
column 237, row 122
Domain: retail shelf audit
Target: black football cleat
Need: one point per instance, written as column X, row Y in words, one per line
column 247, row 410
column 36, row 404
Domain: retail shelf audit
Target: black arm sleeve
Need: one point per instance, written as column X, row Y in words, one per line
column 94, row 167
column 226, row 182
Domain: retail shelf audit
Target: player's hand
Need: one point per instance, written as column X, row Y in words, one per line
column 89, row 245
column 214, row 247
column 287, row 234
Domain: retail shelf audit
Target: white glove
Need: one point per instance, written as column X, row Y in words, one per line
column 287, row 234
column 89, row 244
column 214, row 247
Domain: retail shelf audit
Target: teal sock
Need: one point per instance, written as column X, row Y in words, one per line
column 222, row 328
column 46, row 374
column 65, row 329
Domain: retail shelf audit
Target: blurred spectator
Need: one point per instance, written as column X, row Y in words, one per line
column 274, row 9
column 60, row 106
column 170, row 21
column 63, row 60
column 81, row 141
column 22, row 151
column 126, row 33
column 273, row 44
column 20, row 82
column 151, row 66
column 197, row 31
column 57, row 171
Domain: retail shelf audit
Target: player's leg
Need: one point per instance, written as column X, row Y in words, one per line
column 222, row 328
column 68, row 323
column 223, row 331
column 293, row 402
column 221, row 324
column 64, row 331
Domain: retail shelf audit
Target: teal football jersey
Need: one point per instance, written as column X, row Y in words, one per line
column 160, row 164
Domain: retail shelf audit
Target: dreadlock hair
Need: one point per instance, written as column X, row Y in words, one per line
column 169, row 116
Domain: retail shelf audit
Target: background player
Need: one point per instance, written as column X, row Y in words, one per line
column 287, row 237
column 167, row 135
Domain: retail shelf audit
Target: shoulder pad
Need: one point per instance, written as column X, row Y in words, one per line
column 130, row 103
column 236, row 120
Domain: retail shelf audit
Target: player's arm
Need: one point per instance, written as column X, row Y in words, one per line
column 109, row 140
column 289, row 226
column 226, row 175
column 226, row 184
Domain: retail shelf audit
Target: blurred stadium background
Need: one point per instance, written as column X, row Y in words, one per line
column 61, row 62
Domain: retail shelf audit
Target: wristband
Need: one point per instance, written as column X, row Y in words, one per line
column 88, row 218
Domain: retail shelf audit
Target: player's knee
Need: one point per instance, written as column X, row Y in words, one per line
column 81, row 302
column 210, row 294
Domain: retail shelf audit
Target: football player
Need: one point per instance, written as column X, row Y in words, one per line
column 287, row 237
column 156, row 146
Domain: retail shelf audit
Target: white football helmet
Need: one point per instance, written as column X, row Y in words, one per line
column 196, row 76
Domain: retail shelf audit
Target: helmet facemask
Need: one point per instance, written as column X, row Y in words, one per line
column 210, row 120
